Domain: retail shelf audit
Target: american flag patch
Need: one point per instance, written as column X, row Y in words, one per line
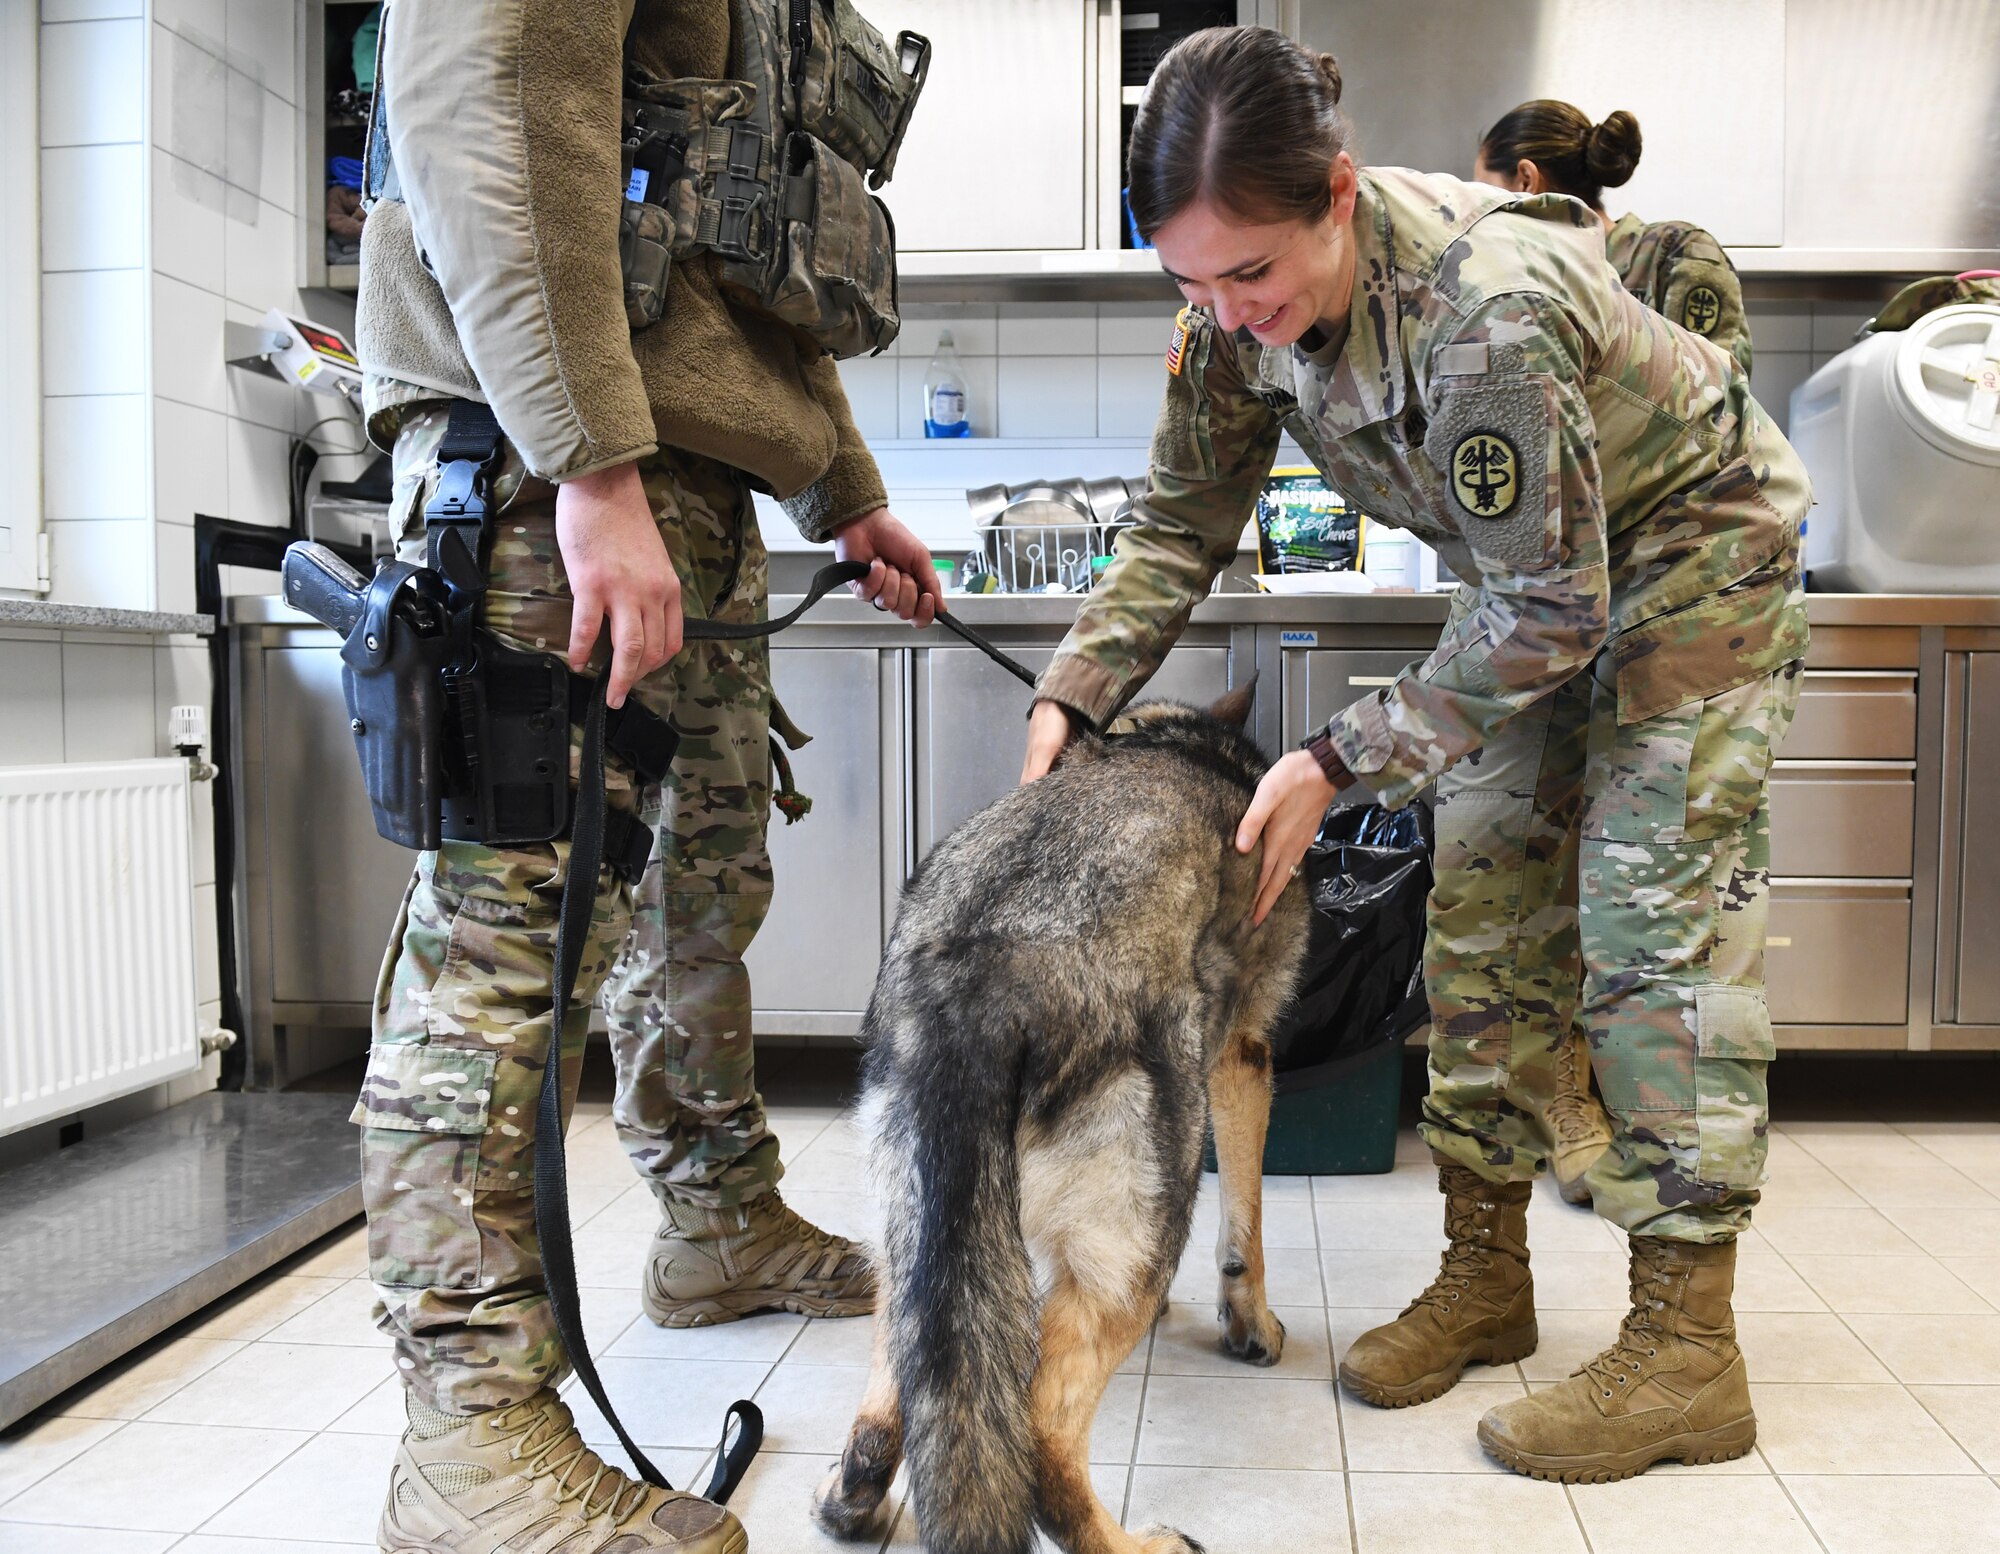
column 1177, row 346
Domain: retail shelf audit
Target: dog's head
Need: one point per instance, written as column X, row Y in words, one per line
column 1213, row 735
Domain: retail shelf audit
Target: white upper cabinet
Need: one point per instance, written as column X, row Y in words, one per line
column 995, row 156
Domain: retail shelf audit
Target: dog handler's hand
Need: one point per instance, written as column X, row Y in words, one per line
column 1048, row 731
column 618, row 571
column 901, row 578
column 1285, row 813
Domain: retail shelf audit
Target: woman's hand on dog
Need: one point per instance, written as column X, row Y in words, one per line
column 1049, row 729
column 1285, row 815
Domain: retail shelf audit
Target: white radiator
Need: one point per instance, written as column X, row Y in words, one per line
column 97, row 973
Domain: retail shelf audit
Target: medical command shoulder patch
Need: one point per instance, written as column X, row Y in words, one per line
column 1702, row 311
column 1486, row 474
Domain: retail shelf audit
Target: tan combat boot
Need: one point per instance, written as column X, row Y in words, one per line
column 519, row 1480
column 1672, row 1386
column 1481, row 1306
column 715, row 1265
column 1577, row 1120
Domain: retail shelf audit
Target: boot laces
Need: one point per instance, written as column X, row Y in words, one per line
column 1645, row 1328
column 1571, row 1114
column 804, row 1241
column 550, row 1446
column 1468, row 1254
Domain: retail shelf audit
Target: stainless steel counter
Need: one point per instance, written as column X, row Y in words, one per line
column 1881, row 869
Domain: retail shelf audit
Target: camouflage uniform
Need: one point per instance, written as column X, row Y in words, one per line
column 1681, row 273
column 1602, row 706
column 461, row 1024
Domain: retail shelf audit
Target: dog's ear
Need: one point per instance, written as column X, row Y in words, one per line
column 1234, row 708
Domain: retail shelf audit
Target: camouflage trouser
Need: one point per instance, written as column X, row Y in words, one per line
column 462, row 1008
column 1612, row 878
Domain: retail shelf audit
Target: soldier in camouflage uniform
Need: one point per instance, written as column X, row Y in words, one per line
column 1599, row 716
column 621, row 503
column 1680, row 272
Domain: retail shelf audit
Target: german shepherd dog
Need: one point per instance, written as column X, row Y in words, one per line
column 1072, row 986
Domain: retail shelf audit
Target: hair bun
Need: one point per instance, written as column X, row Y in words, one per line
column 1611, row 149
column 1329, row 72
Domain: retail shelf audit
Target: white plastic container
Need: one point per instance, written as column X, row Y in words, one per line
column 1901, row 434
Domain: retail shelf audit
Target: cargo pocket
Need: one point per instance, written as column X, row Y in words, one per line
column 423, row 1112
column 1733, row 1051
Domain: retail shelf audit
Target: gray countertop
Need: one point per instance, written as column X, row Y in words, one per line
column 97, row 617
column 1032, row 611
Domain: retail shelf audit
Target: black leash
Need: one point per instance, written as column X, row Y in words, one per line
column 551, row 1179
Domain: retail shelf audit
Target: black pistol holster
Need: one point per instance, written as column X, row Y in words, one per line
column 462, row 737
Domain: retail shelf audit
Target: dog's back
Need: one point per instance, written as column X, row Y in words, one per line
column 1062, row 974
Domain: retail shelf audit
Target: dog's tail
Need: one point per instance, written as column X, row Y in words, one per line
column 962, row 1297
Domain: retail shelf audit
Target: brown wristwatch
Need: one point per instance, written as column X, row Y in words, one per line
column 1320, row 748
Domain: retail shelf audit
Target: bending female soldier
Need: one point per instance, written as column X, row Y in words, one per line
column 1598, row 716
column 1674, row 267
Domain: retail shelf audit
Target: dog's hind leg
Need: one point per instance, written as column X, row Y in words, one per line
column 1084, row 1339
column 1239, row 1102
column 847, row 1500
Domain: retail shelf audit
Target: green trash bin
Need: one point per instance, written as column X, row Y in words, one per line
column 1335, row 1120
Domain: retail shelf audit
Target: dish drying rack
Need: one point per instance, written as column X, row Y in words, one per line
column 1045, row 535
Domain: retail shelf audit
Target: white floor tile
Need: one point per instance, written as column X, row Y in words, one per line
column 129, row 1389
column 1852, row 1429
column 345, row 1315
column 810, row 1408
column 1568, row 1339
column 1935, row 1351
column 274, row 1386
column 1288, row 1222
column 341, row 1255
column 1917, row 1286
column 1375, row 1279
column 1971, row 1415
column 23, row 1538
column 1245, row 1509
column 1239, row 1422
column 1804, row 1346
column 1405, row 1513
column 767, row 1337
column 774, row 1502
column 1440, row 1436
column 1981, row 1275
column 1586, row 1281
column 1952, row 1232
column 211, row 1543
column 1852, row 1232
column 1380, row 1227
column 381, row 1412
column 255, row 1311
column 161, row 1477
column 668, row 1402
column 1291, row 1276
column 33, row 1450
column 331, row 1488
column 1882, row 1515
column 1769, row 1283
column 1744, row 1513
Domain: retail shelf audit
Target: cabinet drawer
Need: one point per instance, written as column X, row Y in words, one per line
column 1857, row 715
column 1830, row 820
column 1839, row 954
column 1318, row 682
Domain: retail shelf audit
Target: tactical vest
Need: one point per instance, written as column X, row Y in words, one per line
column 769, row 171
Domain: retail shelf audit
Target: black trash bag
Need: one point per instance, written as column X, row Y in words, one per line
column 1368, row 874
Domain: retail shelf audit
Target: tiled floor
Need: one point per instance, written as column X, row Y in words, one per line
column 1870, row 1299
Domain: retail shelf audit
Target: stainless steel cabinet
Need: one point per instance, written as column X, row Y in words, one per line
column 1968, row 990
column 1318, row 682
column 974, row 729
column 1838, row 952
column 813, row 964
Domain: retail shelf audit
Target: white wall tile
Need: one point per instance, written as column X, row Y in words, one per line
column 173, row 565
column 187, row 222
column 260, row 43
column 91, row 197
column 981, row 394
column 94, row 457
column 31, row 721
column 1048, row 329
column 187, row 344
column 1135, row 328
column 90, row 10
column 92, row 83
column 258, row 491
column 94, row 332
column 1047, row 396
column 255, row 396
column 260, row 260
column 276, row 176
column 204, row 20
column 1129, row 390
column 105, row 561
column 190, row 98
column 207, row 972
column 870, row 382
column 108, row 701
column 973, row 325
column 190, row 462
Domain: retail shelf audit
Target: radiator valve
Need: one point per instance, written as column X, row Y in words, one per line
column 216, row 1038
column 187, row 732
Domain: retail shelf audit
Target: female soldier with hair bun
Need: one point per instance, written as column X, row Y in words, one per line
column 1674, row 267
column 1598, row 716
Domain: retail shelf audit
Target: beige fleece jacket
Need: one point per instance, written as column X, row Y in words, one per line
column 504, row 119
